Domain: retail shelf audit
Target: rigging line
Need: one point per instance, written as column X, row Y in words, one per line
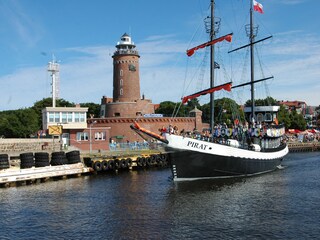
column 199, row 68
column 195, row 34
column 245, row 66
column 189, row 44
column 191, row 80
column 175, row 110
column 179, row 106
column 257, row 50
column 222, row 64
column 185, row 84
column 202, row 70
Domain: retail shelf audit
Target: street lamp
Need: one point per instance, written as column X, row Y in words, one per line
column 90, row 137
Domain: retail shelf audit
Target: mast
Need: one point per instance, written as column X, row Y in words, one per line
column 251, row 36
column 53, row 67
column 212, row 36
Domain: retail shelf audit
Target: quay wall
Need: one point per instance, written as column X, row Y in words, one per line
column 304, row 146
column 18, row 145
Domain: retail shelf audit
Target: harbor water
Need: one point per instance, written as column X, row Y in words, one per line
column 147, row 204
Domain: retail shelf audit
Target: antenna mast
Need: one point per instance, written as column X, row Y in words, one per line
column 53, row 67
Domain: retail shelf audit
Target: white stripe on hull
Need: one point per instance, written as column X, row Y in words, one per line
column 185, row 143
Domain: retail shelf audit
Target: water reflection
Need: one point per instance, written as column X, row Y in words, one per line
column 207, row 184
column 147, row 204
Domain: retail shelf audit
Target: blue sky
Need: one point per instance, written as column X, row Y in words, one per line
column 82, row 36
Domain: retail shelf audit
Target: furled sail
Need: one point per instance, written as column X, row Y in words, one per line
column 227, row 37
column 226, row 86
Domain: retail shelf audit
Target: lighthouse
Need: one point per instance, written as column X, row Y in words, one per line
column 126, row 81
column 126, row 100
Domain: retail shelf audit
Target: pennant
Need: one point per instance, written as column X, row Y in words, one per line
column 226, row 86
column 228, row 38
column 257, row 6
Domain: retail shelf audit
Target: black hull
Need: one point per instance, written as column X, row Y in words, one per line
column 189, row 165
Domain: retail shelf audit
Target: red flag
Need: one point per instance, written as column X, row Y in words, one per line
column 228, row 38
column 226, row 86
column 257, row 6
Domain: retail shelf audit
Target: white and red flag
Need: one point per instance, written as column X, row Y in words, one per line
column 257, row 6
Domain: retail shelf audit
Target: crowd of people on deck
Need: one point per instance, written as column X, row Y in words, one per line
column 222, row 132
column 245, row 133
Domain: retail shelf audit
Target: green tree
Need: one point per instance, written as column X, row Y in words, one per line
column 205, row 108
column 225, row 110
column 166, row 108
column 7, row 123
column 93, row 109
column 297, row 121
column 29, row 121
column 21, row 123
column 284, row 117
column 268, row 101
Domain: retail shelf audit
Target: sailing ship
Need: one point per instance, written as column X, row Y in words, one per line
column 242, row 151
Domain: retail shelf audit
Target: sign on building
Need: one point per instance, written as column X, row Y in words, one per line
column 55, row 130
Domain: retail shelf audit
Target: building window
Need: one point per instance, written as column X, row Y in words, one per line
column 69, row 117
column 51, row 116
column 57, row 117
column 82, row 117
column 76, row 117
column 121, row 82
column 121, row 73
column 117, row 114
column 100, row 136
column 138, row 114
column 64, row 117
column 121, row 91
column 82, row 136
column 54, row 117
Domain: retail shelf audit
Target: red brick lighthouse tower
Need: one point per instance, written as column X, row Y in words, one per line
column 126, row 100
column 126, row 81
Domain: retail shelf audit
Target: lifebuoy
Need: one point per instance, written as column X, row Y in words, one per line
column 228, row 131
column 223, row 132
column 257, row 132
